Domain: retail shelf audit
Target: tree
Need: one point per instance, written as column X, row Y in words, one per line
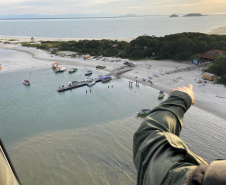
column 219, row 66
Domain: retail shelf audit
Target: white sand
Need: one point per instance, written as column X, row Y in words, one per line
column 219, row 31
column 210, row 97
column 38, row 39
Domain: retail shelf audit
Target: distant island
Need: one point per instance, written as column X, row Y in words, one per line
column 174, row 15
column 193, row 15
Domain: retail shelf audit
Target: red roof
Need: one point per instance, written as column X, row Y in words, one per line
column 211, row 55
column 115, row 45
column 215, row 52
column 207, row 56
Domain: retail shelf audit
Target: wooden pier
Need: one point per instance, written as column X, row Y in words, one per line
column 73, row 86
column 115, row 72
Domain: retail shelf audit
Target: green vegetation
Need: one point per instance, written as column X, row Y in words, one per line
column 181, row 46
column 219, row 68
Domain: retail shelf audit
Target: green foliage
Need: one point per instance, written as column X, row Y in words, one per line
column 181, row 46
column 219, row 68
column 223, row 79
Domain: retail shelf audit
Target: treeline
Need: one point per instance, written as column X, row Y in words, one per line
column 181, row 46
column 219, row 68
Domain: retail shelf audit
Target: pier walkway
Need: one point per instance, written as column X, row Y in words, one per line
column 114, row 72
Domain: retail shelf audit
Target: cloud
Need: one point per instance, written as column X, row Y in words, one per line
column 111, row 6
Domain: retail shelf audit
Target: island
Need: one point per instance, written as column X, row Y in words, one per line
column 174, row 15
column 193, row 15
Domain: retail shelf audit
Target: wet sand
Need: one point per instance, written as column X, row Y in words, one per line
column 102, row 154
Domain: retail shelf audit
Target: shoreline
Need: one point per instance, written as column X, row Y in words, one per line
column 16, row 39
column 218, row 31
column 211, row 97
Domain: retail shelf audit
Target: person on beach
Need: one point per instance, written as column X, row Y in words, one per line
column 159, row 154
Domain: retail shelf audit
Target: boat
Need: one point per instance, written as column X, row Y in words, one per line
column 161, row 95
column 88, row 73
column 106, row 79
column 60, row 69
column 91, row 83
column 87, row 80
column 100, row 67
column 55, row 65
column 26, row 82
column 73, row 83
column 144, row 112
column 0, row 66
column 72, row 70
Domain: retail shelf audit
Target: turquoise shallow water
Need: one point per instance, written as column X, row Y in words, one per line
column 71, row 137
column 29, row 110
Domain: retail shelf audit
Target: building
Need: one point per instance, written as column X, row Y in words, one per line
column 210, row 55
column 209, row 76
column 114, row 45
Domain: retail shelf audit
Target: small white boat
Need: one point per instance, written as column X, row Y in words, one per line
column 72, row 70
column 161, row 95
column 91, row 83
column 88, row 73
column 26, row 82
column 60, row 69
column 55, row 65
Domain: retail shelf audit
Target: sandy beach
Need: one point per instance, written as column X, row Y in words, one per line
column 218, row 31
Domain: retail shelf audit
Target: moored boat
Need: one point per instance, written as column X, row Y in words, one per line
column 60, row 69
column 72, row 70
column 106, row 78
column 55, row 65
column 88, row 73
column 161, row 95
column 91, row 83
column 144, row 112
column 100, row 67
column 26, row 82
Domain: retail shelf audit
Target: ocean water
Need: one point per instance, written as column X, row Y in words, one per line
column 29, row 110
column 82, row 129
column 110, row 28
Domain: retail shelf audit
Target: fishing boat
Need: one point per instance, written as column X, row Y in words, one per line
column 55, row 65
column 100, row 67
column 72, row 70
column 106, row 79
column 26, row 82
column 144, row 112
column 88, row 73
column 161, row 95
column 91, row 83
column 60, row 69
column 87, row 80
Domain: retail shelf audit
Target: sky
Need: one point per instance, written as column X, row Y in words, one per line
column 116, row 7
